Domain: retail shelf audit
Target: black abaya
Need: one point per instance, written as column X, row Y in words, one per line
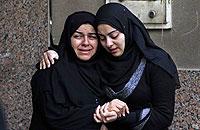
column 65, row 96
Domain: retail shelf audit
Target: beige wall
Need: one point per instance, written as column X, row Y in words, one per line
column 62, row 8
column 182, row 41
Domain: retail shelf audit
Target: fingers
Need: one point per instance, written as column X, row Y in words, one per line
column 51, row 59
column 127, row 109
column 119, row 107
column 97, row 116
column 124, row 111
column 103, row 114
column 106, row 115
column 42, row 64
column 103, row 110
column 110, row 116
column 46, row 59
column 113, row 108
column 96, row 119
column 117, row 110
column 52, row 55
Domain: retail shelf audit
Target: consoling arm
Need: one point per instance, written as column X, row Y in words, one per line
column 47, row 59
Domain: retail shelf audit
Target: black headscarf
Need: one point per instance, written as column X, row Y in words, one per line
column 72, row 87
column 70, row 71
column 116, row 71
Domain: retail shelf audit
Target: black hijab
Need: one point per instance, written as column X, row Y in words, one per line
column 116, row 71
column 70, row 71
column 69, row 90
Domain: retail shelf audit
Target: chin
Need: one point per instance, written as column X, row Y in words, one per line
column 85, row 58
column 117, row 54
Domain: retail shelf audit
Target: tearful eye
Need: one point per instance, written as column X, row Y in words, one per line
column 92, row 37
column 77, row 36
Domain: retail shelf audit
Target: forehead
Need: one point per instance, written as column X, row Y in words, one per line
column 105, row 28
column 86, row 28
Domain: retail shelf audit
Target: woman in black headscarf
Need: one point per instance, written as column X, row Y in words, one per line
column 134, row 70
column 65, row 96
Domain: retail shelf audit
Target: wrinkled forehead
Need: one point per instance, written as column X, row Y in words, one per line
column 81, row 26
column 86, row 29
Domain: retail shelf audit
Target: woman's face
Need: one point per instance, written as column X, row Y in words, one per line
column 84, row 42
column 111, row 39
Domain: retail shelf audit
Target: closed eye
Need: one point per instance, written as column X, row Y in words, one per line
column 114, row 35
column 92, row 36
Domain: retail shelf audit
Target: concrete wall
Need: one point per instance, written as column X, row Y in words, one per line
column 182, row 41
column 23, row 37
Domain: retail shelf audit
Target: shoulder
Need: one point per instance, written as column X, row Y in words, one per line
column 155, row 72
column 40, row 74
column 159, row 79
column 41, row 79
column 153, row 68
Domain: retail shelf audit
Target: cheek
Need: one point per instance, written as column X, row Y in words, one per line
column 75, row 44
column 122, row 43
column 95, row 46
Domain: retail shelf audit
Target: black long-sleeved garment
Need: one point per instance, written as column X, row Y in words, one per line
column 156, row 89
column 157, row 86
column 51, row 115
column 65, row 96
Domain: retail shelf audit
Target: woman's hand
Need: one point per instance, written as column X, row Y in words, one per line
column 97, row 116
column 48, row 58
column 103, row 115
column 119, row 107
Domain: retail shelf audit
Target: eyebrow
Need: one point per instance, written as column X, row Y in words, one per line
column 108, row 33
column 112, row 32
column 92, row 33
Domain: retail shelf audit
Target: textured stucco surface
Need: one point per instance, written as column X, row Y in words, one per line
column 23, row 36
column 187, row 107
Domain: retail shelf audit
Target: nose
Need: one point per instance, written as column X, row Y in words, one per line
column 109, row 42
column 85, row 41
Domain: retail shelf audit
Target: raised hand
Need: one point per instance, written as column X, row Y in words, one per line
column 48, row 58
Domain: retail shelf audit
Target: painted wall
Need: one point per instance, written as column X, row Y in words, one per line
column 23, row 37
column 182, row 41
